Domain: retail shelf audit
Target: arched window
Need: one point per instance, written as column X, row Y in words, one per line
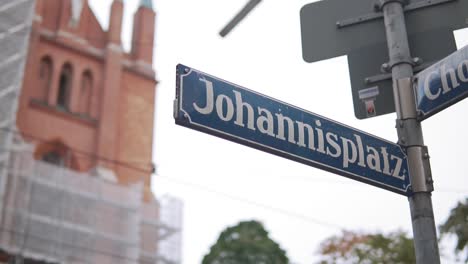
column 86, row 92
column 57, row 153
column 53, row 157
column 45, row 77
column 65, row 85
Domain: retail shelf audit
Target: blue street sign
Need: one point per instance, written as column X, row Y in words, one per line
column 226, row 110
column 443, row 84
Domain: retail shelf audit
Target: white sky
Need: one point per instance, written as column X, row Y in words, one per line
column 223, row 183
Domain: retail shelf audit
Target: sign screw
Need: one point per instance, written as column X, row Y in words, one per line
column 385, row 67
column 417, row 61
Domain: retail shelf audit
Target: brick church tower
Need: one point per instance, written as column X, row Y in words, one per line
column 75, row 186
column 86, row 103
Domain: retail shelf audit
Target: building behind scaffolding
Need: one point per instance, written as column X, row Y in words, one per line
column 76, row 138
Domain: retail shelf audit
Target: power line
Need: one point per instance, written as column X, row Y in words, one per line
column 133, row 165
column 261, row 205
column 256, row 204
column 454, row 191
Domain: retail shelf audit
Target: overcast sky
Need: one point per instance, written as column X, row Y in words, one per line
column 223, row 183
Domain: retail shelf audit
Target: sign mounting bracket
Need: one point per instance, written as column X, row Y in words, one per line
column 374, row 16
column 388, row 76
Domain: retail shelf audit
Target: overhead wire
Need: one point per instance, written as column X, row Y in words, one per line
column 282, row 211
column 255, row 203
column 217, row 192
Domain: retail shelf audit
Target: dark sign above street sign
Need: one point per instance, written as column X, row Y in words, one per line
column 365, row 63
column 442, row 84
column 332, row 28
column 226, row 110
column 323, row 39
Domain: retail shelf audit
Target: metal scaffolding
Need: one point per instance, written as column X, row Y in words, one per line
column 58, row 215
column 170, row 231
column 15, row 26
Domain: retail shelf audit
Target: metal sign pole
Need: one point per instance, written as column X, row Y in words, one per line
column 410, row 132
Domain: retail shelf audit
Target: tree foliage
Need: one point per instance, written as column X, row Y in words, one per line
column 457, row 224
column 245, row 243
column 351, row 247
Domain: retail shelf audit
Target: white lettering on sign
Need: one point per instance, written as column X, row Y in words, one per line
column 450, row 80
column 312, row 137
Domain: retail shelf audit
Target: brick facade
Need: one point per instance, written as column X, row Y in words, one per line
column 84, row 97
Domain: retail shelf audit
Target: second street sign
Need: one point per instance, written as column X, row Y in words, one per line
column 443, row 84
column 226, row 110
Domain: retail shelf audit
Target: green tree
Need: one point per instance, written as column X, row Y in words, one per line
column 351, row 247
column 457, row 224
column 245, row 243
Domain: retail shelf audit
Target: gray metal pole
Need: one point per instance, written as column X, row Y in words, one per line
column 238, row 18
column 410, row 133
